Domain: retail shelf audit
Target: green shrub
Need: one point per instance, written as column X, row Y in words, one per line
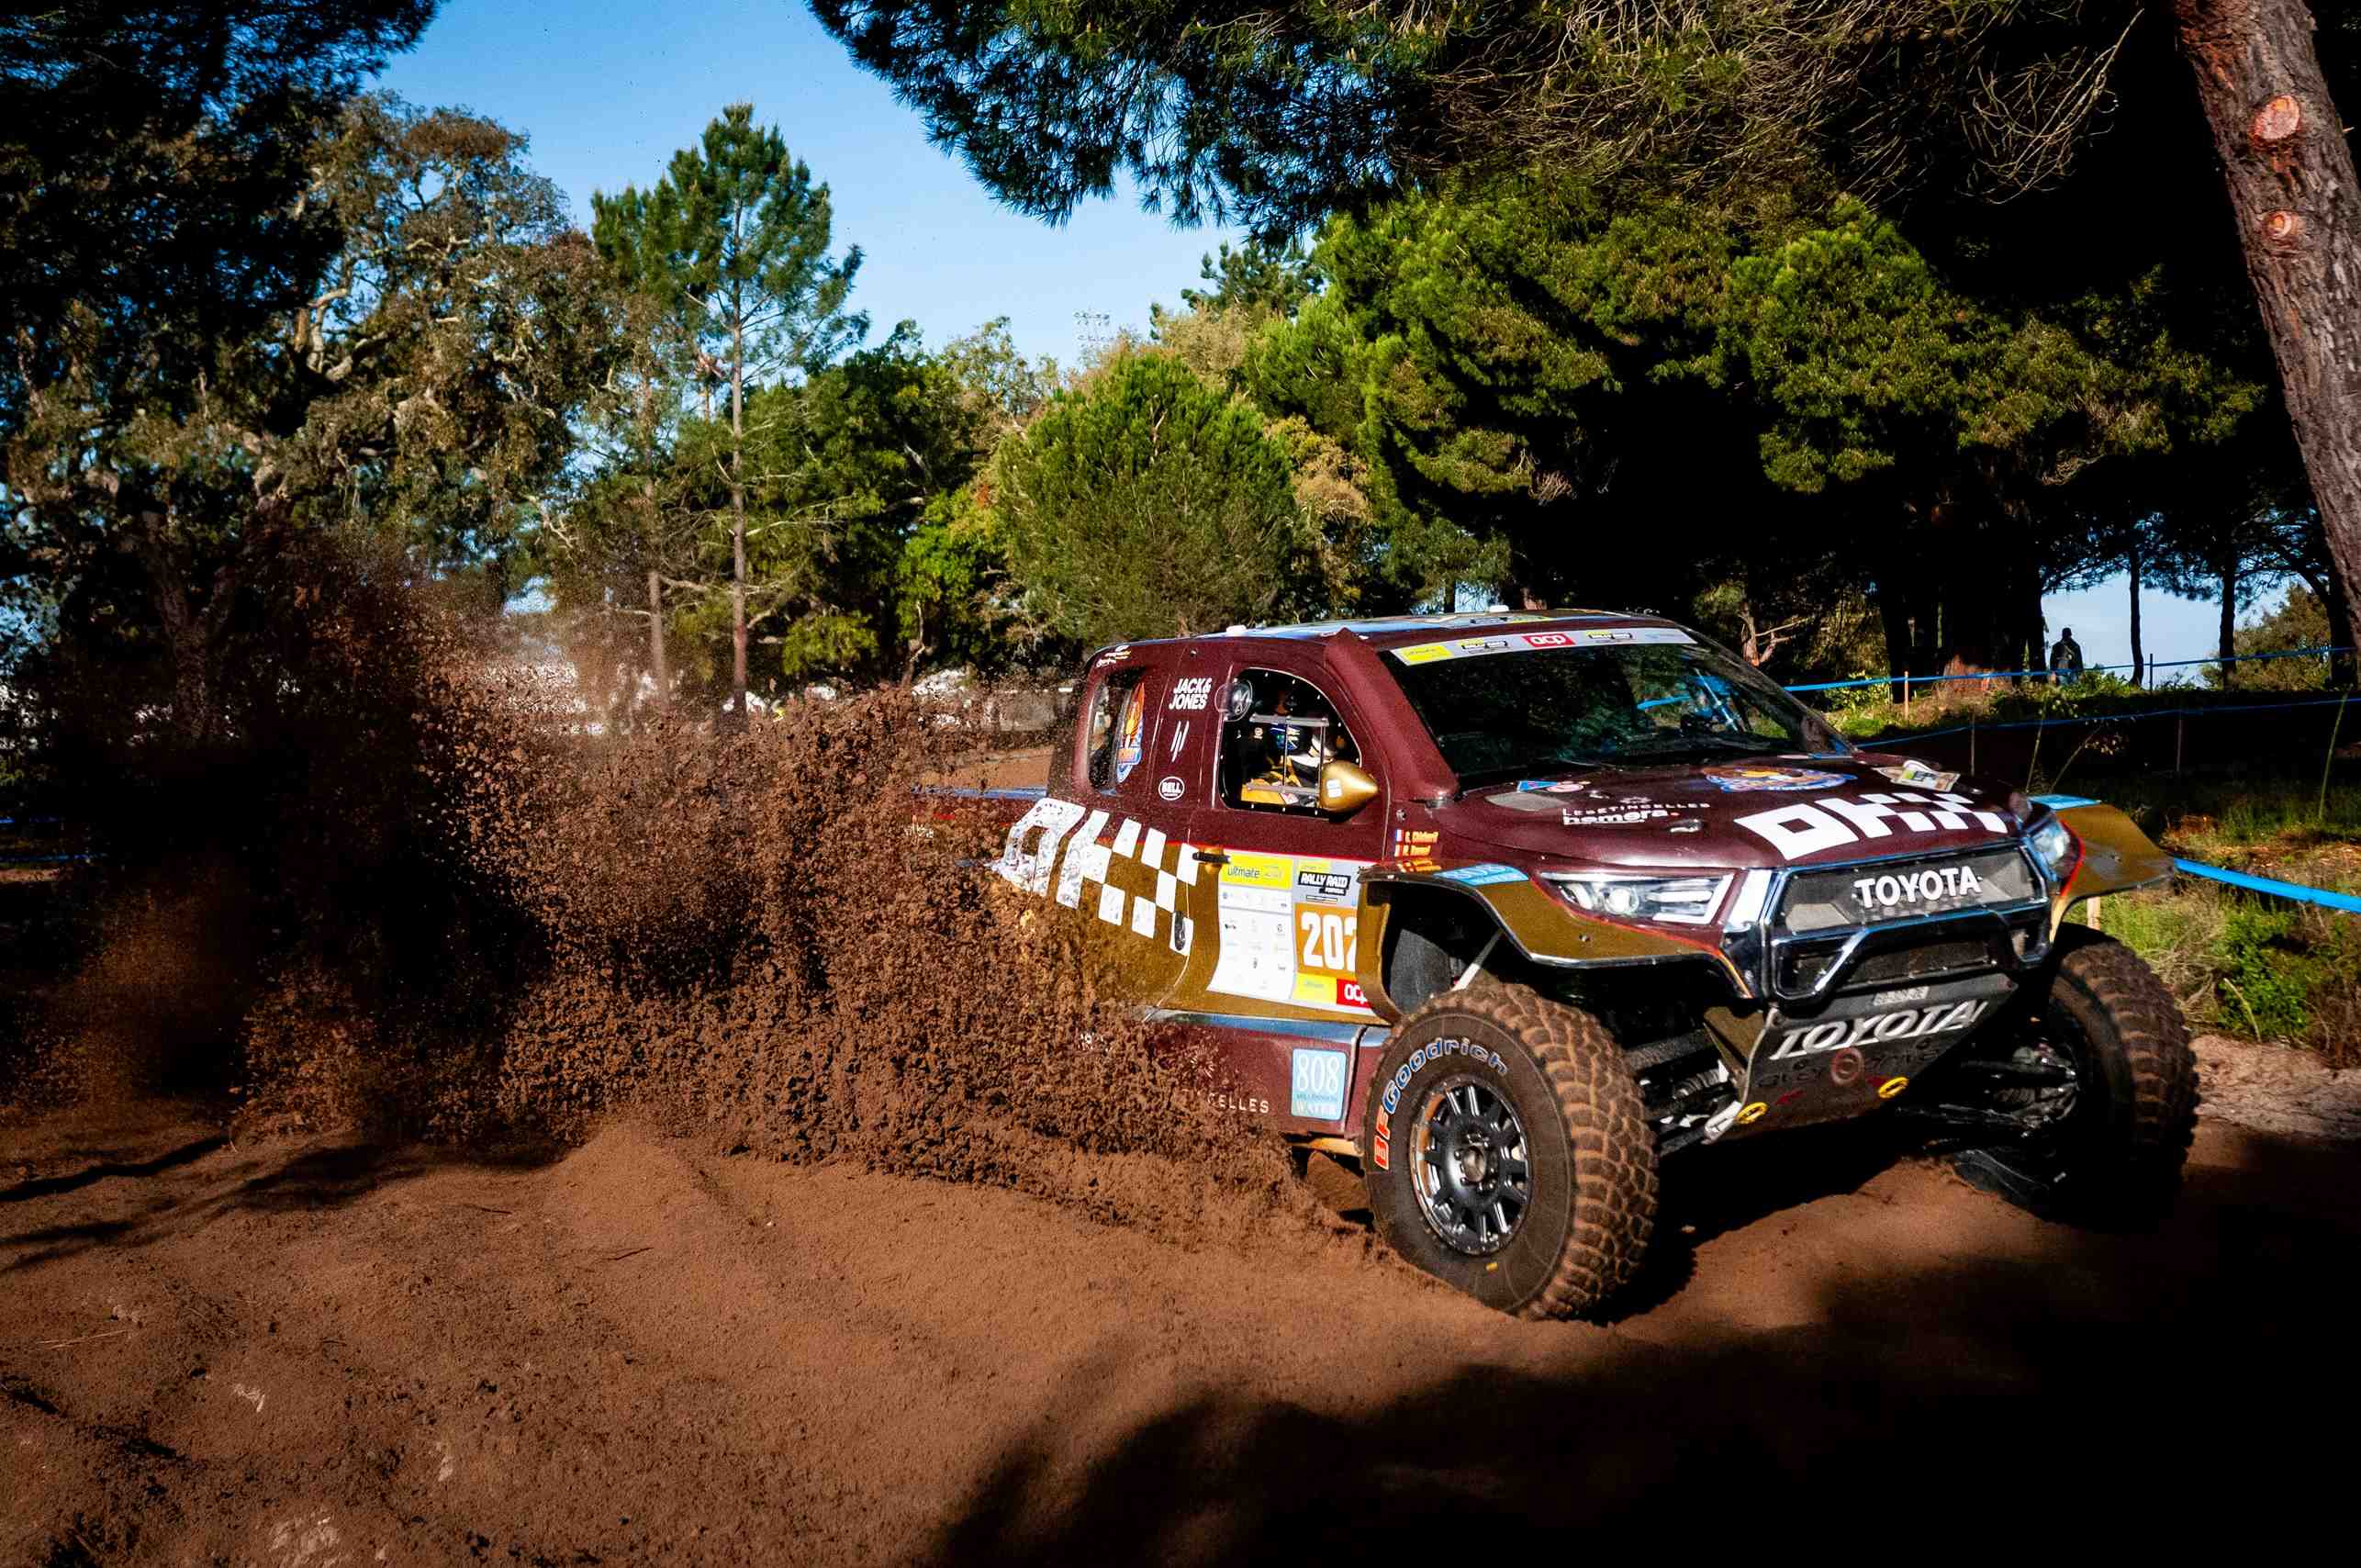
column 2265, row 976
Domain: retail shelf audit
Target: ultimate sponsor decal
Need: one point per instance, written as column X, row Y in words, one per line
column 1316, row 1084
column 1521, row 641
column 1895, row 891
column 1738, row 777
column 1246, row 870
column 1918, row 776
column 1191, row 694
column 1877, row 1028
column 1115, row 655
column 1834, row 822
column 1390, row 1100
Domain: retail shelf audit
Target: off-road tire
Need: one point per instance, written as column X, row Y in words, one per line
column 2122, row 1163
column 1591, row 1154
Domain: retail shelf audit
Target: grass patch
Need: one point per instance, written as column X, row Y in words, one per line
column 2255, row 967
column 2243, row 964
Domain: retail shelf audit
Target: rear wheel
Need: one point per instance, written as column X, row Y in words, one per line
column 1507, row 1152
column 2100, row 1074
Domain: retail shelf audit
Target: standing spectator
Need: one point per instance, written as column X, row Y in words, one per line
column 2066, row 657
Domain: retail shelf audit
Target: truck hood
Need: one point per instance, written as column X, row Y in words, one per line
column 1751, row 811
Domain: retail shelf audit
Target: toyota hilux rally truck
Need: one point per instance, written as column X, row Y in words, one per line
column 1512, row 907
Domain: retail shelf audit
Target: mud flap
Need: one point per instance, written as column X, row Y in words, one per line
column 1858, row 1052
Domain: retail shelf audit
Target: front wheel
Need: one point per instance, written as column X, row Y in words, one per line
column 2099, row 1073
column 1506, row 1152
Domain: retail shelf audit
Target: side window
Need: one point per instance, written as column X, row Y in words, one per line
column 1277, row 733
column 1117, row 735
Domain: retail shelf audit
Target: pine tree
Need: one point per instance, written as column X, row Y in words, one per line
column 734, row 242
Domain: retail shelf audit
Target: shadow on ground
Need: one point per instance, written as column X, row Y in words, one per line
column 2110, row 1386
column 140, row 1197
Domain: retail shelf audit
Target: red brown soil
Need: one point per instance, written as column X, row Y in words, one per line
column 310, row 1352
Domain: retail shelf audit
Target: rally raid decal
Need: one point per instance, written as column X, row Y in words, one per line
column 1833, row 822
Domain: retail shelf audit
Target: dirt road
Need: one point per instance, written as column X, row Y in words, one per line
column 316, row 1354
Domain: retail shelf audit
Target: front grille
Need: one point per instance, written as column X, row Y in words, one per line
column 1799, row 970
column 1832, row 901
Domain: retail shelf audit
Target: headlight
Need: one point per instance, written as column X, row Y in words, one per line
column 1678, row 900
column 2054, row 842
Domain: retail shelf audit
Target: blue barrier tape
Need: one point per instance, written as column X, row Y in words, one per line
column 2296, row 891
column 1882, row 742
column 2086, row 670
column 2270, row 885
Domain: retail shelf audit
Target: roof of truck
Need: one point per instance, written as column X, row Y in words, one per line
column 1396, row 631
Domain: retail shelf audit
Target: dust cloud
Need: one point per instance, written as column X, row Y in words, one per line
column 417, row 892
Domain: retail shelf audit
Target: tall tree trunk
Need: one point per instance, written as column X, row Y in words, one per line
column 655, row 641
column 2227, row 570
column 651, row 534
column 2298, row 209
column 2139, row 656
column 191, row 667
column 737, row 508
column 190, row 631
column 1893, row 615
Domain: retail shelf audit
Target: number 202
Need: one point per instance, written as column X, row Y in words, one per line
column 1329, row 940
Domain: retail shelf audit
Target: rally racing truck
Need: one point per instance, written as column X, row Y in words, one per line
column 1510, row 908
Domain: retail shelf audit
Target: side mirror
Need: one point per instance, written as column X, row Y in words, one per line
column 1345, row 789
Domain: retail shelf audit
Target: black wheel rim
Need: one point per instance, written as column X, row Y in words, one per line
column 1470, row 1165
column 2058, row 1116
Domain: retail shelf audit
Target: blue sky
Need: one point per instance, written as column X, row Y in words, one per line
column 610, row 89
column 607, row 89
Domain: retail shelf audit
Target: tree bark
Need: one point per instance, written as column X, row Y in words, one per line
column 2297, row 204
column 737, row 507
column 2139, row 661
column 655, row 641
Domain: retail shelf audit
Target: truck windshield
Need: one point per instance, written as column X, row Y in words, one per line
column 1527, row 704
